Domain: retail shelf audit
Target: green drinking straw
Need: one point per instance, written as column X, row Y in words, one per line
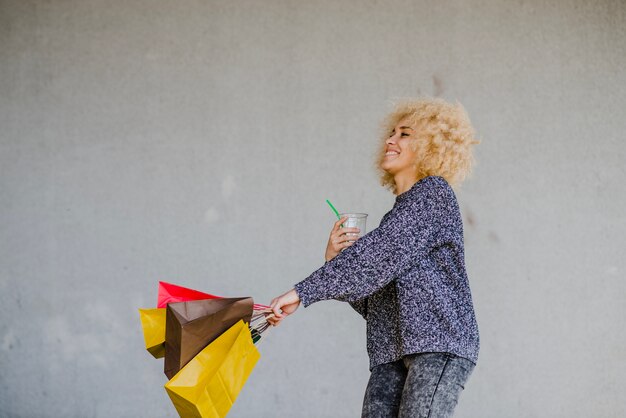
column 334, row 210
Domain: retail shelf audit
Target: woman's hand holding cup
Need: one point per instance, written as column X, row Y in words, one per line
column 340, row 238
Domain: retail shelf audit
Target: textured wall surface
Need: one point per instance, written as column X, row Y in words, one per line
column 196, row 142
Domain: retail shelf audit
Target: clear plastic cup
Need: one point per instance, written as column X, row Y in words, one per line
column 355, row 220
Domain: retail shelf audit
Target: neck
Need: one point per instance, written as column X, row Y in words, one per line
column 404, row 182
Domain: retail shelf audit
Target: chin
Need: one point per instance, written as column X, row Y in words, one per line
column 388, row 168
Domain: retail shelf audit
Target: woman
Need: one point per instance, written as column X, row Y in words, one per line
column 407, row 277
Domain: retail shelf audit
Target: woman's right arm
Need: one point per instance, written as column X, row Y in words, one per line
column 360, row 306
column 386, row 252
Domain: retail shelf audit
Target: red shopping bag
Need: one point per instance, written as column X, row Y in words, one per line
column 171, row 293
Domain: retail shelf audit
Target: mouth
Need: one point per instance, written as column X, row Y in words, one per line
column 391, row 154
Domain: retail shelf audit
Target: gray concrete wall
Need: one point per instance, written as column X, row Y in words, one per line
column 196, row 142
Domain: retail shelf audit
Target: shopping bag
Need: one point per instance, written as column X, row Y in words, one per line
column 209, row 384
column 190, row 326
column 153, row 325
column 171, row 293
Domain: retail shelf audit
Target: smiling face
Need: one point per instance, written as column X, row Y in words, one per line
column 400, row 157
column 430, row 137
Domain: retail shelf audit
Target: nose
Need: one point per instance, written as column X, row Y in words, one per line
column 391, row 139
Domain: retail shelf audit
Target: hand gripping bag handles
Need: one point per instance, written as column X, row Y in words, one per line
column 209, row 384
column 190, row 326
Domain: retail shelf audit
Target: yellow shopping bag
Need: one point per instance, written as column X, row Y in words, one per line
column 209, row 384
column 153, row 325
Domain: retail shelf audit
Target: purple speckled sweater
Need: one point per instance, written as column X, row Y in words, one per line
column 407, row 278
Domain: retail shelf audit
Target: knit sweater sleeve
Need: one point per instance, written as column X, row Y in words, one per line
column 386, row 252
column 360, row 306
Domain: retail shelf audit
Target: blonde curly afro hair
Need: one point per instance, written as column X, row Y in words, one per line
column 444, row 139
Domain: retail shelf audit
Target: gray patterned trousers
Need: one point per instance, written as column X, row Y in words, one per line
column 424, row 385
